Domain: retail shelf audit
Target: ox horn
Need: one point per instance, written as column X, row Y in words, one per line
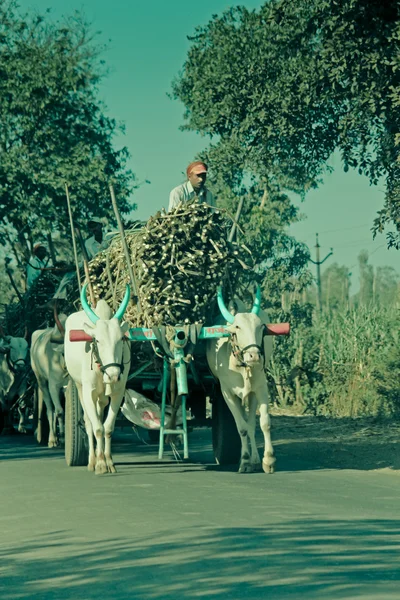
column 123, row 306
column 90, row 313
column 221, row 304
column 257, row 301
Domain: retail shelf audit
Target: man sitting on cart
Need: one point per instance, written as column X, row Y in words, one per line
column 195, row 186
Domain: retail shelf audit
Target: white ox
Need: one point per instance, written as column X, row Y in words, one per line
column 13, row 361
column 239, row 362
column 99, row 369
column 48, row 364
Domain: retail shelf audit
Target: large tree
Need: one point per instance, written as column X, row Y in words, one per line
column 53, row 127
column 280, row 89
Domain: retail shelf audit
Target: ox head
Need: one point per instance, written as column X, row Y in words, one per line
column 108, row 335
column 247, row 331
column 16, row 349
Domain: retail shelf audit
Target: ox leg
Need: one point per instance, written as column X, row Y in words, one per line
column 89, row 431
column 55, row 391
column 90, row 398
column 255, row 457
column 115, row 404
column 268, row 462
column 236, row 408
column 46, row 398
column 23, row 416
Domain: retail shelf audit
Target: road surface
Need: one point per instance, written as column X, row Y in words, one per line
column 185, row 531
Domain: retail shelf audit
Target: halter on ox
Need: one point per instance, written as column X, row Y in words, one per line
column 236, row 350
column 94, row 318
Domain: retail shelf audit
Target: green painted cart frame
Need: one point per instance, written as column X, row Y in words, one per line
column 140, row 334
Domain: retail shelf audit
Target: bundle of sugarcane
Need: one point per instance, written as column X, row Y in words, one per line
column 179, row 259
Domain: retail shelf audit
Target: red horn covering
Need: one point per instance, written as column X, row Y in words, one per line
column 278, row 329
column 78, row 335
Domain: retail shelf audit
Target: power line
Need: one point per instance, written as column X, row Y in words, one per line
column 345, row 228
column 341, row 229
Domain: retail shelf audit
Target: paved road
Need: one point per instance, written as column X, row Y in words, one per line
column 183, row 531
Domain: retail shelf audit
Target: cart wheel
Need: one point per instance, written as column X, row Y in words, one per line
column 225, row 436
column 76, row 454
column 41, row 426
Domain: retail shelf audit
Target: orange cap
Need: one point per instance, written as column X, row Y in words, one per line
column 196, row 167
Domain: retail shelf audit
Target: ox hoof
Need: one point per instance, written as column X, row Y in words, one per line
column 268, row 464
column 245, row 467
column 22, row 429
column 111, row 467
column 91, row 466
column 52, row 444
column 101, row 467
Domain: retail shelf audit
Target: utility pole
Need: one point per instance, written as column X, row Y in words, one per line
column 318, row 263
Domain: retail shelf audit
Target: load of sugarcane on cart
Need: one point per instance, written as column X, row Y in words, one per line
column 170, row 274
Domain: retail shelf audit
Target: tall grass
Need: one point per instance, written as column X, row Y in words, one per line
column 343, row 363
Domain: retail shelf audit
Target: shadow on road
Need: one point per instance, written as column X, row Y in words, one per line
column 301, row 444
column 333, row 560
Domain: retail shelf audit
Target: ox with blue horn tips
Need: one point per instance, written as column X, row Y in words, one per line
column 92, row 315
column 225, row 312
column 239, row 362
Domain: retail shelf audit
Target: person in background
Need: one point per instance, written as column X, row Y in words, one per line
column 37, row 262
column 95, row 243
column 195, row 186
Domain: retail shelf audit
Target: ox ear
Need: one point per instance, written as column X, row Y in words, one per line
column 124, row 327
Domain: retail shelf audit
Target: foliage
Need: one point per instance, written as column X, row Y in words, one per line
column 349, row 363
column 308, row 77
column 54, row 129
column 335, row 286
column 281, row 260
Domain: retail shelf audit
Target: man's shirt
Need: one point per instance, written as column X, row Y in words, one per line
column 185, row 192
column 93, row 246
column 33, row 270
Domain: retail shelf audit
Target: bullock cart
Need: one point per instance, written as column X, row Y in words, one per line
column 179, row 370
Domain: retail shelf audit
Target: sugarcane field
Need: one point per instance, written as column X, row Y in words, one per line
column 199, row 334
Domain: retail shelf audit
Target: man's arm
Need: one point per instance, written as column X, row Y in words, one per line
column 174, row 198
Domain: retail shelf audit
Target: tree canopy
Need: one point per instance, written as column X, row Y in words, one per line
column 53, row 129
column 278, row 90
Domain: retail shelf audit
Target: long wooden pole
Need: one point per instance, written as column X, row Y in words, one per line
column 86, row 267
column 71, row 222
column 125, row 247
